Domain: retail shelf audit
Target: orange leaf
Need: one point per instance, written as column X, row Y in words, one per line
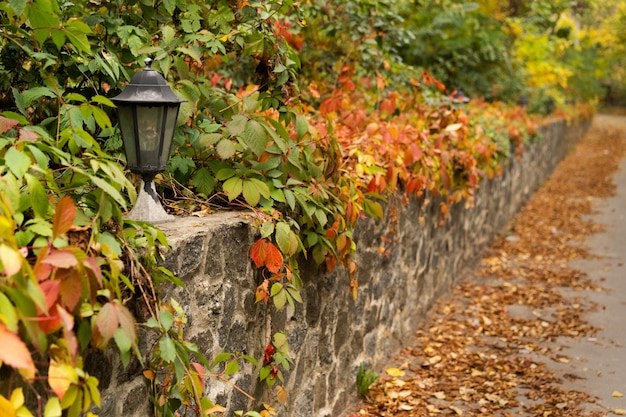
column 281, row 394
column 264, row 253
column 14, row 351
column 64, row 216
column 354, row 286
column 262, row 292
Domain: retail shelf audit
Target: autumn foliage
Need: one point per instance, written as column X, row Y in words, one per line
column 304, row 115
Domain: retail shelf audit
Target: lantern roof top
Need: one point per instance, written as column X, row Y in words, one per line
column 147, row 86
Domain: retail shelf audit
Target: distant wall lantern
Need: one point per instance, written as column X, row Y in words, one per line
column 147, row 110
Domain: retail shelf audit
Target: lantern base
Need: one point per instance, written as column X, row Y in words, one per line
column 148, row 207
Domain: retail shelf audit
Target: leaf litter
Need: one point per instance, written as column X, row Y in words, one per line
column 484, row 350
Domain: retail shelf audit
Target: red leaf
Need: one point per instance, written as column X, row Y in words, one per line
column 51, row 290
column 106, row 324
column 14, row 351
column 264, row 253
column 71, row 289
column 268, row 354
column 42, row 271
column 63, row 217
column 60, row 258
column 68, row 331
column 127, row 322
column 28, row 135
column 93, row 265
column 6, row 124
column 201, row 373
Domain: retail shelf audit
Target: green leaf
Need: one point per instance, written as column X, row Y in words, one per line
column 233, row 187
column 168, row 350
column 195, row 53
column 183, row 164
column 168, row 34
column 321, row 217
column 209, row 139
column 75, row 97
column 53, row 408
column 373, row 209
column 302, row 126
column 43, row 17
column 225, row 148
column 279, row 295
column 295, row 294
column 251, row 193
column 17, row 162
column 102, row 100
column 124, row 344
column 8, row 314
column 286, row 239
column 38, row 196
column 291, row 199
column 267, row 229
column 36, row 93
column 222, row 357
column 237, row 125
column 19, row 102
column 232, row 367
column 170, row 6
column 264, row 372
column 109, row 244
column 203, row 181
column 255, row 138
column 108, row 189
column 18, row 6
column 167, row 319
column 225, row 173
column 102, row 119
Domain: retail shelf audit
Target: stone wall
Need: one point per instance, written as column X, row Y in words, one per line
column 331, row 334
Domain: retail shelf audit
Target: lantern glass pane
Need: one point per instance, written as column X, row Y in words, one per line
column 149, row 128
column 127, row 127
column 170, row 116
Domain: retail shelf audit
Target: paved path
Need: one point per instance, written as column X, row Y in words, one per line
column 600, row 362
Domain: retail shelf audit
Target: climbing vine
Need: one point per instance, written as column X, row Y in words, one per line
column 308, row 155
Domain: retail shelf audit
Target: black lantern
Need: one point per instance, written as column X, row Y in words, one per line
column 147, row 110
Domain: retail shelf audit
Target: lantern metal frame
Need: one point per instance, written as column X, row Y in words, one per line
column 147, row 112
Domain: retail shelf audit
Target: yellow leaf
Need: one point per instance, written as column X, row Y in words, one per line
column 619, row 412
column 53, row 408
column 11, row 260
column 6, row 409
column 60, row 377
column 395, row 372
column 617, row 394
column 17, row 398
